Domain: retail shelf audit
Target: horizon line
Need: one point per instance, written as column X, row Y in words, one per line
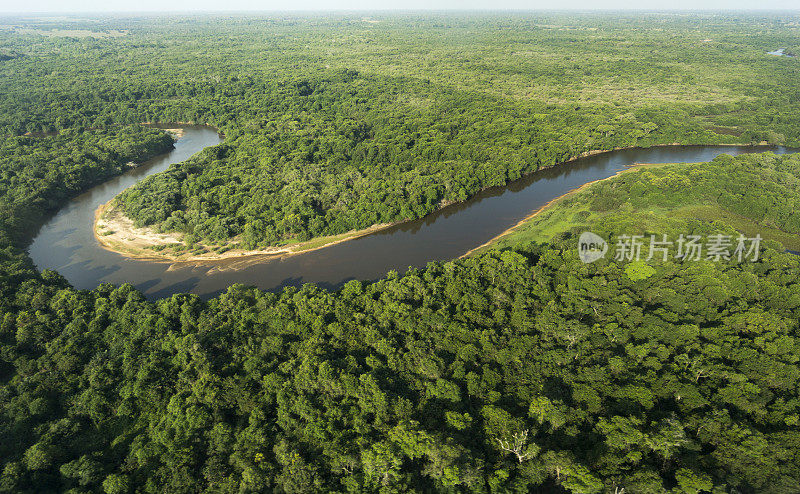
column 400, row 10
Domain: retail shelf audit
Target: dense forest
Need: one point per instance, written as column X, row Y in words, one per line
column 511, row 371
column 753, row 194
column 339, row 123
column 520, row 369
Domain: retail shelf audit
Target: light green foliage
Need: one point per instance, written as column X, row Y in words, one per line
column 338, row 123
column 692, row 483
column 520, row 370
column 639, row 270
column 750, row 194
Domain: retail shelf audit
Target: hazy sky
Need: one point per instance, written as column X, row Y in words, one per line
column 250, row 5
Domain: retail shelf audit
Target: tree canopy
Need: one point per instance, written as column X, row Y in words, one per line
column 521, row 369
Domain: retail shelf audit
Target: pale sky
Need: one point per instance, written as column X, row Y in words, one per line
column 327, row 5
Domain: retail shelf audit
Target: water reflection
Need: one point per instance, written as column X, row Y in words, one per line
column 66, row 242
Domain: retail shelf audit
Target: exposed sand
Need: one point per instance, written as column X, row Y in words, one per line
column 117, row 233
column 176, row 133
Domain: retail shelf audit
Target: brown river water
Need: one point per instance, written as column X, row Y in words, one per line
column 66, row 243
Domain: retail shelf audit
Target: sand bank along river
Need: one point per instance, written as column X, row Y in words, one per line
column 67, row 243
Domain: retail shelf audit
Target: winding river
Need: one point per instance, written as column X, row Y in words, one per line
column 66, row 243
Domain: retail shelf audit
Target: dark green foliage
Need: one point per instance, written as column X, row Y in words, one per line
column 37, row 174
column 338, row 123
column 516, row 371
column 410, row 382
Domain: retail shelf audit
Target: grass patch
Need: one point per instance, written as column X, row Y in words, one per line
column 747, row 226
column 750, row 194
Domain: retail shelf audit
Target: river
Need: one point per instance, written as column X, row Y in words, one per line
column 66, row 243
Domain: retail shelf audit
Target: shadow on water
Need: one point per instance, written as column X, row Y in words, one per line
column 66, row 243
column 183, row 286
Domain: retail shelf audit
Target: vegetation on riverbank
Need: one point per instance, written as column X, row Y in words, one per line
column 329, row 130
column 116, row 232
column 517, row 370
column 753, row 193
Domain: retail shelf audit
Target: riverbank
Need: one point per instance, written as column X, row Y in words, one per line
column 587, row 154
column 178, row 129
column 176, row 133
column 552, row 203
column 116, row 232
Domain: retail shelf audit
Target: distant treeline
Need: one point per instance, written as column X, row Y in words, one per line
column 336, row 124
column 522, row 370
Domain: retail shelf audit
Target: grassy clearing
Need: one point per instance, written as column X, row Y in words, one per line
column 711, row 213
column 681, row 197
